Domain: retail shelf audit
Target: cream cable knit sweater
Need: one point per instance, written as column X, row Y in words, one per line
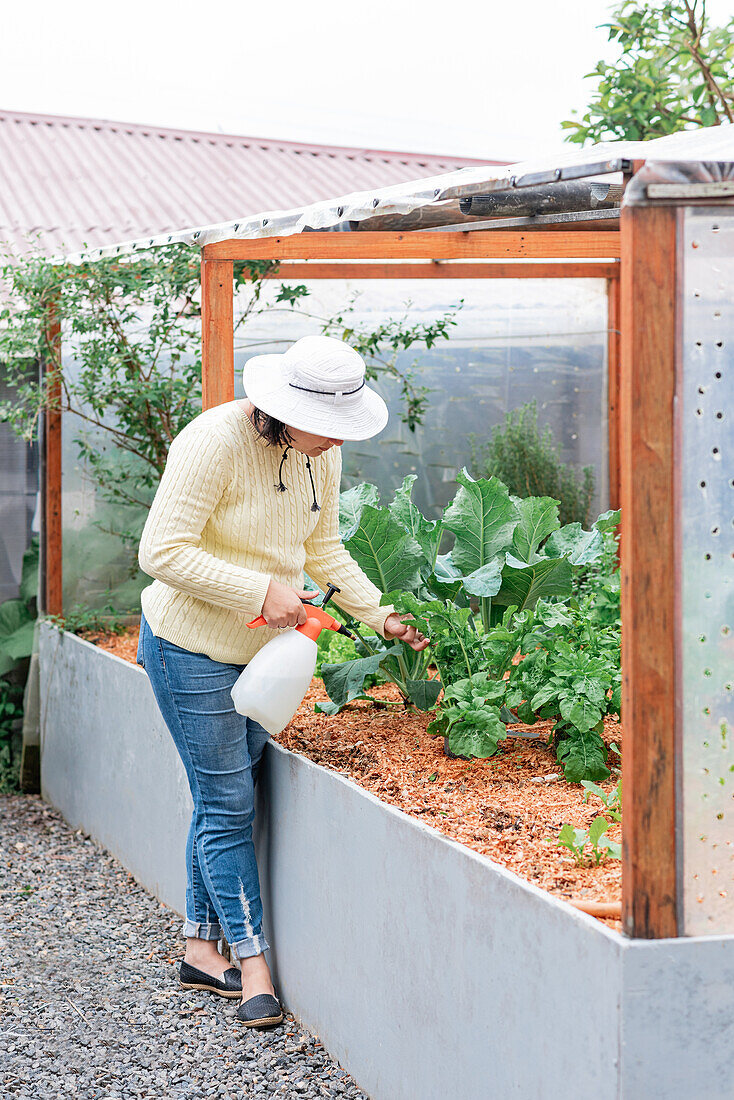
column 218, row 530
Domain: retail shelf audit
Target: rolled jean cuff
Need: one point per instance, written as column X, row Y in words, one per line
column 245, row 949
column 194, row 930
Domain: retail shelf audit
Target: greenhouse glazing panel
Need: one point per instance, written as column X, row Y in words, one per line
column 99, row 567
column 706, row 533
column 513, row 341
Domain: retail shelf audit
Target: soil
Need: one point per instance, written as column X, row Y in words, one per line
column 509, row 808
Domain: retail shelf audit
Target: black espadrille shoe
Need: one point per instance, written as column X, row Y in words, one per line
column 261, row 1011
column 229, row 985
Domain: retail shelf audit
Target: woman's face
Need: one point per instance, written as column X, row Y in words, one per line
column 312, row 445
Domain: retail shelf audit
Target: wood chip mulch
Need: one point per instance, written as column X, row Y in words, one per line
column 509, row 808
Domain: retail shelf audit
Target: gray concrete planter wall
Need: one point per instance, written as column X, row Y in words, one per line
column 427, row 970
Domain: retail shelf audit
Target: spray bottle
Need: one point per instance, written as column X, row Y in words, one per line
column 271, row 687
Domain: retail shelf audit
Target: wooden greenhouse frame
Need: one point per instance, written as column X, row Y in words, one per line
column 638, row 261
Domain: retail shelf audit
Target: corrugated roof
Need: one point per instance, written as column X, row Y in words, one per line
column 83, row 182
column 434, row 200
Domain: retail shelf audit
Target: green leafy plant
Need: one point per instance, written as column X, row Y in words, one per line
column 573, row 676
column 527, row 460
column 88, row 620
column 576, row 840
column 612, row 801
column 470, row 718
column 674, row 71
column 491, row 597
column 597, row 583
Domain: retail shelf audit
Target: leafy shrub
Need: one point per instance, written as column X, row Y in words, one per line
column 527, row 461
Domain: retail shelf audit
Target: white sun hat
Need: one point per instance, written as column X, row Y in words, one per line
column 317, row 386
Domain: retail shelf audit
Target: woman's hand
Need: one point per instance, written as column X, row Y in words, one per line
column 395, row 627
column 282, row 605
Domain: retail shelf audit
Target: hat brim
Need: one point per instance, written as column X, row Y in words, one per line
column 267, row 386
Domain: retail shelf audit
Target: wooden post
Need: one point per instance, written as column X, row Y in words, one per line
column 52, row 597
column 647, row 395
column 613, row 330
column 217, row 323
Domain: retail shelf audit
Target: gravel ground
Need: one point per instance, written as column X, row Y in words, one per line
column 89, row 999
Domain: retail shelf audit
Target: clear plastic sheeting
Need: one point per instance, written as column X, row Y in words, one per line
column 18, row 503
column 99, row 570
column 707, row 143
column 663, row 181
column 514, row 341
column 706, row 533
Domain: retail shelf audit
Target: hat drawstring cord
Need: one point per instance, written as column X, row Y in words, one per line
column 315, row 506
column 281, row 487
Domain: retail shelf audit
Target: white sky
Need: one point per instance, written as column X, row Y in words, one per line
column 477, row 78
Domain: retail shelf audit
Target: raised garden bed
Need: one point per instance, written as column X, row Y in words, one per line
column 424, row 967
column 509, row 808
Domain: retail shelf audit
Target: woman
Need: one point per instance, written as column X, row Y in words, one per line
column 248, row 498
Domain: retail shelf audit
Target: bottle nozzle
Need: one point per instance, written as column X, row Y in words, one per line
column 330, row 590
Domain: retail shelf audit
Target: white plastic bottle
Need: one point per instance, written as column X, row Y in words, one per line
column 271, row 687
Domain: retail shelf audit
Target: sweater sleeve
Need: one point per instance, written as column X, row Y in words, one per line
column 328, row 561
column 170, row 550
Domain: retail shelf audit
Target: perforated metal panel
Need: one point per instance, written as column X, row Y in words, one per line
column 706, row 688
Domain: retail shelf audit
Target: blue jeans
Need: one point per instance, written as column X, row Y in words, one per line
column 221, row 751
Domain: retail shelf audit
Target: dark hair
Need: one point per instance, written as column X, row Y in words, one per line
column 273, row 431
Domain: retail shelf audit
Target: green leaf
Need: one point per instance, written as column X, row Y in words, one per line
column 385, row 551
column 345, row 681
column 6, row 663
column 581, row 712
column 445, row 581
column 427, row 533
column 351, row 503
column 16, row 629
column 524, row 584
column 592, row 687
column 613, row 847
column 483, row 518
column 615, row 703
column 607, row 521
column 582, row 755
column 20, row 643
column 423, row 693
column 597, row 829
column 485, row 581
column 574, row 840
column 538, row 519
column 545, row 695
column 572, row 542
column 478, row 734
